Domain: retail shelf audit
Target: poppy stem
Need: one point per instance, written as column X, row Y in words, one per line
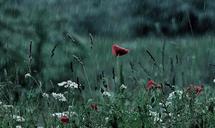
column 117, row 74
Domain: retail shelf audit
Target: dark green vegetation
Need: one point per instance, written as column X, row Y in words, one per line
column 129, row 18
column 56, row 41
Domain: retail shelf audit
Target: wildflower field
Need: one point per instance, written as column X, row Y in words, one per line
column 159, row 83
column 107, row 64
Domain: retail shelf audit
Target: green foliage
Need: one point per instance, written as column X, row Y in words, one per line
column 50, row 37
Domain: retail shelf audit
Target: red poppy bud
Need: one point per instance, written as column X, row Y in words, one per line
column 150, row 84
column 94, row 107
column 64, row 119
column 198, row 89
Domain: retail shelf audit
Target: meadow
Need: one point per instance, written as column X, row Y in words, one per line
column 159, row 82
column 107, row 64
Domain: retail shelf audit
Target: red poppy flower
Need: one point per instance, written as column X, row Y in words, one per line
column 119, row 51
column 150, row 84
column 64, row 119
column 198, row 89
column 94, row 107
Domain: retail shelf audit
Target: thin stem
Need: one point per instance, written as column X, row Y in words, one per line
column 88, row 82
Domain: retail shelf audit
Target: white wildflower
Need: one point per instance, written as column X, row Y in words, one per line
column 174, row 95
column 68, row 84
column 70, row 113
column 40, row 127
column 59, row 96
column 18, row 126
column 151, row 113
column 27, row 75
column 70, row 108
column 170, row 114
column 212, row 99
column 168, row 103
column 18, row 118
column 105, row 93
column 72, row 84
column 62, row 83
column 155, row 115
column 203, row 111
column 149, row 107
column 161, row 104
column 214, row 80
column 106, row 119
column 122, row 87
column 7, row 106
column 45, row 95
column 60, row 114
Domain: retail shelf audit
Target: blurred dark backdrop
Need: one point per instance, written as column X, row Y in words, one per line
column 133, row 18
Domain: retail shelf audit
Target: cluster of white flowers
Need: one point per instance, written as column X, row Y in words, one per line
column 19, row 126
column 5, row 106
column 212, row 99
column 173, row 95
column 105, row 93
column 59, row 96
column 68, row 84
column 45, row 95
column 156, row 116
column 18, row 118
column 67, row 113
